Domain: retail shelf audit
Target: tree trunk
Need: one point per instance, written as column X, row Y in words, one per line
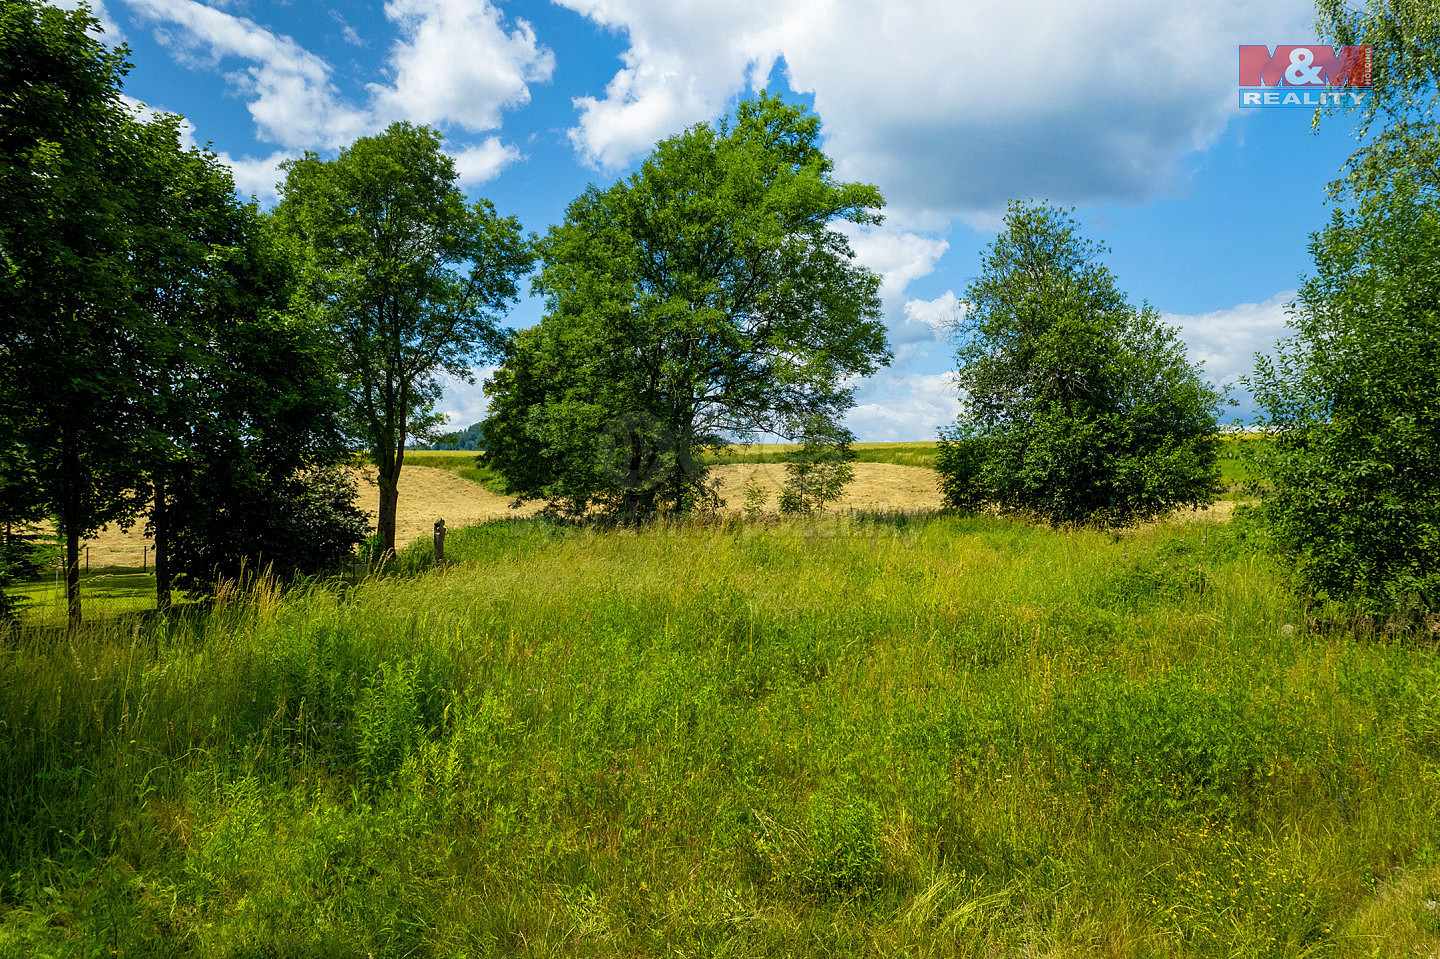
column 388, row 465
column 385, row 523
column 160, row 517
column 69, row 519
column 72, row 574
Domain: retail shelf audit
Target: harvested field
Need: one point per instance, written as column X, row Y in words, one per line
column 881, row 487
column 427, row 493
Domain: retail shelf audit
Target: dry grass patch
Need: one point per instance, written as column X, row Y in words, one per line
column 876, row 487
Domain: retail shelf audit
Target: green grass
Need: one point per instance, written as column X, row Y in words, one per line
column 868, row 736
column 104, row 594
column 463, row 463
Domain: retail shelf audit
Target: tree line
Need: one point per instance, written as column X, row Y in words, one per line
column 177, row 357
column 180, row 358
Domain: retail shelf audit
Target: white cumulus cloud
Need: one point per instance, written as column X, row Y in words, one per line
column 950, row 106
column 942, row 314
column 483, row 161
column 455, row 64
column 1227, row 340
column 895, row 408
column 288, row 90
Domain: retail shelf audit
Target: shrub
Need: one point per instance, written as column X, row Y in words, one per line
column 305, row 524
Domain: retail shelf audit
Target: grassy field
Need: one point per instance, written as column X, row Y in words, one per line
column 1234, row 475
column 463, row 463
column 845, row 736
column 105, row 594
column 900, row 454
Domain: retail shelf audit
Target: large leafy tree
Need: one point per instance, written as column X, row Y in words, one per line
column 149, row 353
column 74, row 344
column 1077, row 407
column 1353, row 401
column 243, row 405
column 706, row 296
column 1353, row 395
column 411, row 278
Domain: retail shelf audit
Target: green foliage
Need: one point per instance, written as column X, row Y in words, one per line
column 1078, row 408
column 706, row 296
column 470, row 438
column 146, row 320
column 844, row 853
column 1405, row 35
column 835, row 853
column 960, row 461
column 286, row 526
column 410, row 278
column 1353, row 400
column 818, row 471
column 246, row 434
column 75, row 172
column 1161, row 748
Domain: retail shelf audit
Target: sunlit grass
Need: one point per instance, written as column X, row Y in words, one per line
column 467, row 464
column 845, row 735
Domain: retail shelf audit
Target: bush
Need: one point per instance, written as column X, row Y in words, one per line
column 302, row 525
column 1352, row 400
column 1078, row 407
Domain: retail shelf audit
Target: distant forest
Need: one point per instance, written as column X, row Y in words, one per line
column 469, row 438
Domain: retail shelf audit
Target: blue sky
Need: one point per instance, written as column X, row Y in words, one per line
column 1123, row 109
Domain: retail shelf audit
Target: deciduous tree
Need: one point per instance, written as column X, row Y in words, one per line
column 1397, row 130
column 709, row 295
column 1352, row 399
column 411, row 278
column 1077, row 407
column 73, row 342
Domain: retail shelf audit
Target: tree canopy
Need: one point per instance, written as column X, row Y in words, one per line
column 146, row 312
column 1397, row 125
column 1352, row 398
column 1077, row 407
column 707, row 296
column 411, row 279
column 74, row 343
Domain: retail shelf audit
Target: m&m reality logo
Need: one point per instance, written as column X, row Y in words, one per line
column 1304, row 76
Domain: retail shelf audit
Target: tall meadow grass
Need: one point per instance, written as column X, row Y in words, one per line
column 842, row 735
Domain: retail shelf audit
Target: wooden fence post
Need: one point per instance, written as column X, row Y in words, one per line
column 440, row 542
